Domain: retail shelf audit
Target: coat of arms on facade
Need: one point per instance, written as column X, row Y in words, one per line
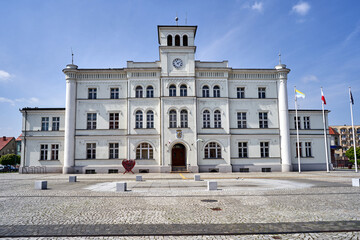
column 179, row 134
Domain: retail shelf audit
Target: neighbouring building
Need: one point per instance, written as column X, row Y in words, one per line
column 7, row 145
column 174, row 114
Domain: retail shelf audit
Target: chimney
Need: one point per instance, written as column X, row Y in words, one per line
column 4, row 138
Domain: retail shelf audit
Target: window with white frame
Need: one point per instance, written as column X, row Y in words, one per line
column 44, row 124
column 240, row 91
column 172, row 119
column 113, row 150
column 172, row 91
column 139, row 92
column 43, row 152
column 184, row 118
column 212, row 150
column 139, row 119
column 298, row 150
column 262, row 92
column 206, row 119
column 150, row 92
column 264, row 149
column 217, row 119
column 92, row 93
column 91, row 150
column 306, row 122
column 183, row 90
column 241, row 119
column 55, row 123
column 297, row 123
column 308, row 152
column 150, row 119
column 216, row 91
column 54, row 151
column 144, row 151
column 263, row 120
column 91, row 121
column 243, row 149
column 114, row 93
column 205, row 91
column 113, row 120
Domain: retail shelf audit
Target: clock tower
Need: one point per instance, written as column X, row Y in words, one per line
column 177, row 50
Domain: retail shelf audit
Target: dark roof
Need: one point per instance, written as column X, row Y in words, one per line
column 42, row 109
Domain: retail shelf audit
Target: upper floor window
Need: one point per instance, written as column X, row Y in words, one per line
column 306, row 122
column 216, row 91
column 241, row 119
column 212, row 150
column 172, row 119
column 150, row 119
column 55, row 123
column 169, row 40
column 114, row 121
column 138, row 119
column 54, row 151
column 114, row 93
column 217, row 119
column 149, row 92
column 172, row 91
column 43, row 152
column 205, row 91
column 183, row 90
column 297, row 123
column 92, row 93
column 240, row 92
column 177, row 40
column 91, row 121
column 113, row 150
column 139, row 92
column 264, row 149
column 144, row 151
column 44, row 124
column 184, row 119
column 185, row 40
column 262, row 92
column 206, row 119
column 263, row 120
column 91, row 150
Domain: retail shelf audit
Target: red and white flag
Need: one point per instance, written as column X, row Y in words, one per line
column 323, row 97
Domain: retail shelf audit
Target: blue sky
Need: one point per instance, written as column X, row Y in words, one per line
column 318, row 40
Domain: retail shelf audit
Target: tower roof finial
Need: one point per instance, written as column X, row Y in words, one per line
column 176, row 19
column 279, row 58
column 72, row 57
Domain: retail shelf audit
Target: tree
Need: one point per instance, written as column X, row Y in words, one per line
column 10, row 159
column 351, row 156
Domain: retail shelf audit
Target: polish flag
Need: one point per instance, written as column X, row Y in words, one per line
column 322, row 97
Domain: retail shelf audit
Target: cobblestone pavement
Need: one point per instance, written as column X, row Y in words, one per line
column 311, row 205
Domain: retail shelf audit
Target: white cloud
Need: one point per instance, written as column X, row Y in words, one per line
column 4, row 76
column 302, row 8
column 258, row 6
column 353, row 34
column 6, row 100
column 309, row 78
column 31, row 100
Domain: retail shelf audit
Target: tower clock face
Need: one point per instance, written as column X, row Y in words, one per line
column 178, row 63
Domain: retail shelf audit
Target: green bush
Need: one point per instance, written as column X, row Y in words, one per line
column 10, row 159
column 351, row 156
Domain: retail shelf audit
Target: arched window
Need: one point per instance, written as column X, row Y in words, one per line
column 150, row 119
column 172, row 91
column 205, row 91
column 149, row 92
column 184, row 119
column 183, row 90
column 177, row 40
column 139, row 119
column 206, row 119
column 185, row 40
column 216, row 91
column 139, row 92
column 217, row 119
column 172, row 119
column 144, row 151
column 169, row 40
column 212, row 150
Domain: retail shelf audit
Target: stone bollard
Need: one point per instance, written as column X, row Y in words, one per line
column 72, row 178
column 40, row 185
column 356, row 182
column 138, row 178
column 121, row 186
column 197, row 177
column 212, row 185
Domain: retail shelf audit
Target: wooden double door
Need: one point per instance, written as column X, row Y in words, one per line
column 178, row 157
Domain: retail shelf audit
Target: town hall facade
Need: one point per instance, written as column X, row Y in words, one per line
column 172, row 115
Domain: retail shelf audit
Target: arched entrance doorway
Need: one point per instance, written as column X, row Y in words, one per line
column 178, row 157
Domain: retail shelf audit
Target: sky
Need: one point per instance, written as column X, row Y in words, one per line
column 318, row 40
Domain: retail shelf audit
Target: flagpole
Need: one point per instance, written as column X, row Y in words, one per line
column 325, row 138
column 353, row 130
column 297, row 131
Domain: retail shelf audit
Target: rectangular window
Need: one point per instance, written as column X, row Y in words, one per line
column 91, row 121
column 91, row 150
column 150, row 119
column 306, row 122
column 92, row 93
column 114, row 121
column 54, row 151
column 43, row 152
column 172, row 122
column 240, row 92
column 308, row 152
column 264, row 149
column 44, row 124
column 262, row 92
column 263, row 120
column 297, row 123
column 55, row 123
column 114, row 93
column 241, row 119
column 206, row 119
column 113, row 150
column 298, row 150
column 243, row 151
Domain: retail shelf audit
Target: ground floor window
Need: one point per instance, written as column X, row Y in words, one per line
column 264, row 149
column 91, row 150
column 43, row 152
column 113, row 150
column 54, row 151
column 243, row 151
column 144, row 151
column 212, row 150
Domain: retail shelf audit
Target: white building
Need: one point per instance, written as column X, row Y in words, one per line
column 175, row 114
